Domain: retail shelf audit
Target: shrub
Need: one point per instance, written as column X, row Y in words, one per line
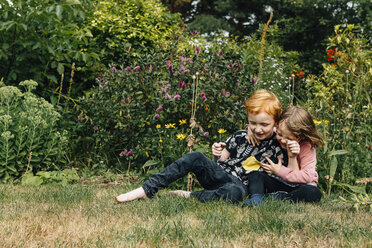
column 341, row 103
column 29, row 136
column 143, row 107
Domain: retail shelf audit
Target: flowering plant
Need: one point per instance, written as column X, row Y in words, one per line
column 29, row 134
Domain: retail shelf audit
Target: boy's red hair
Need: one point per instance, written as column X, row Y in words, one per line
column 264, row 101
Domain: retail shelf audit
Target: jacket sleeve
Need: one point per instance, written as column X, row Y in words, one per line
column 307, row 166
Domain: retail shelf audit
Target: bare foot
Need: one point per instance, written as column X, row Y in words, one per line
column 182, row 193
column 138, row 193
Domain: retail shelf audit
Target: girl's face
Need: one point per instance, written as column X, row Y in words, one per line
column 283, row 135
column 261, row 125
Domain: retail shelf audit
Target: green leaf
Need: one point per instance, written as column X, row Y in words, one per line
column 333, row 167
column 59, row 11
column 338, row 152
column 150, row 163
column 72, row 2
column 30, row 179
column 60, row 68
column 356, row 189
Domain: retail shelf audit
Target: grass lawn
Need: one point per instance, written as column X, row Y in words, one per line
column 86, row 215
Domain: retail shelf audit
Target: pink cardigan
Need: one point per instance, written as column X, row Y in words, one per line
column 307, row 164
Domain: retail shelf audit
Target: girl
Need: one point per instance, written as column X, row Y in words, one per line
column 297, row 134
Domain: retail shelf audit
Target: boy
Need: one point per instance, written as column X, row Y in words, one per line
column 224, row 180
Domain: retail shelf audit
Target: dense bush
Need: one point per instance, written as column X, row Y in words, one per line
column 39, row 39
column 120, row 26
column 140, row 111
column 29, row 136
column 341, row 102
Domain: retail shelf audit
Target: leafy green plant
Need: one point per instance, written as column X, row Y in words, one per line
column 39, row 39
column 65, row 177
column 208, row 80
column 340, row 101
column 30, row 138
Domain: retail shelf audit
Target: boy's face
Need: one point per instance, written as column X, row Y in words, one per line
column 261, row 125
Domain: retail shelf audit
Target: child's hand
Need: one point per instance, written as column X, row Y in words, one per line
column 293, row 148
column 217, row 149
column 272, row 167
column 251, row 139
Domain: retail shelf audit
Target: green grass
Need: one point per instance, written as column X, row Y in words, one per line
column 88, row 216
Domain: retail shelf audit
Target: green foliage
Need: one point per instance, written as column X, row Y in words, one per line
column 63, row 178
column 341, row 102
column 140, row 111
column 358, row 201
column 29, row 139
column 119, row 26
column 304, row 25
column 39, row 39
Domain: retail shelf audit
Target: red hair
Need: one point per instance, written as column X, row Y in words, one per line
column 264, row 101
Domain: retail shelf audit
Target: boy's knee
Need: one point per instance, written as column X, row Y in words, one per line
column 233, row 193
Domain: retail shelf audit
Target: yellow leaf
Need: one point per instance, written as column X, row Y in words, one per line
column 251, row 164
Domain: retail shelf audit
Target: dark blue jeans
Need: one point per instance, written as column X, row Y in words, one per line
column 260, row 183
column 217, row 183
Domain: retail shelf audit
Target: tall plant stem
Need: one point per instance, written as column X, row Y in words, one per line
column 262, row 49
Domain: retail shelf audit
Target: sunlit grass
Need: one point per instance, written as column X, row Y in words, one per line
column 87, row 216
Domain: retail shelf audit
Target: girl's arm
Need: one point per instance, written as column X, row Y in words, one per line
column 293, row 150
column 306, row 162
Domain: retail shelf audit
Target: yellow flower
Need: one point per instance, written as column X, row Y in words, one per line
column 160, row 141
column 346, row 129
column 182, row 122
column 170, row 125
column 221, row 131
column 181, row 136
column 326, row 122
column 158, row 126
column 317, row 122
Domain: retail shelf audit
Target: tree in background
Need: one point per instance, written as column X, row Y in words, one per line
column 304, row 26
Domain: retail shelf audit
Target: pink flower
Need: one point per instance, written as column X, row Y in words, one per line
column 169, row 86
column 156, row 116
column 128, row 68
column 176, row 97
column 231, row 65
column 95, row 128
column 80, row 118
column 197, row 49
column 204, row 98
column 182, row 68
column 203, row 94
column 182, row 84
column 182, row 58
column 169, row 64
column 167, row 96
column 114, row 69
column 130, row 152
column 206, row 134
column 127, row 100
column 160, row 108
column 254, row 80
column 163, row 90
column 194, row 32
column 221, row 53
column 123, row 153
column 186, row 71
column 189, row 60
column 106, row 83
column 147, row 67
column 136, row 68
column 101, row 75
column 176, row 37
